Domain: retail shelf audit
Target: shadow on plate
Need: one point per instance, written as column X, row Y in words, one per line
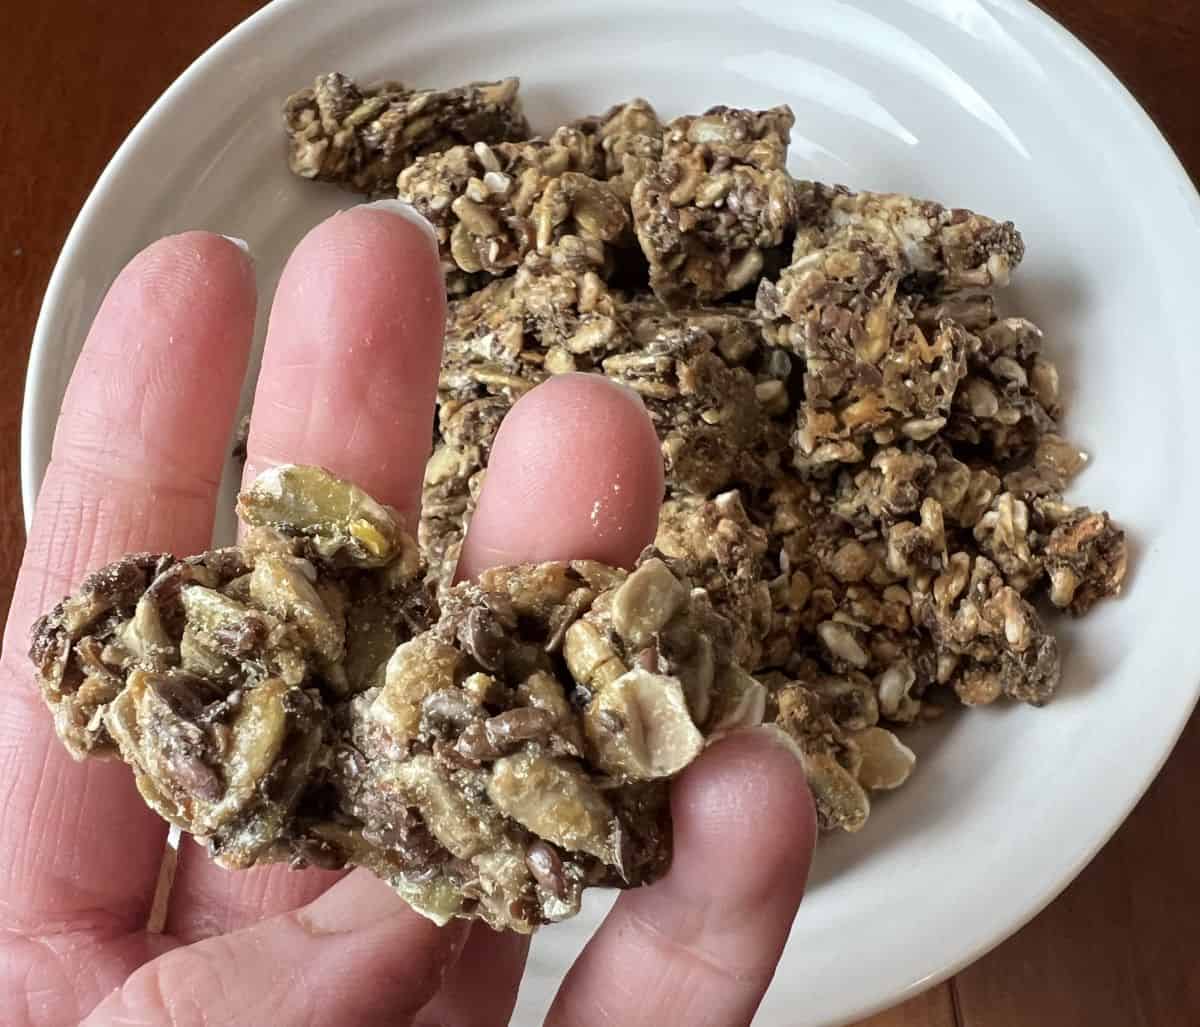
column 940, row 790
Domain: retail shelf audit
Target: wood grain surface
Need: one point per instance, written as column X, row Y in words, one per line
column 1121, row 947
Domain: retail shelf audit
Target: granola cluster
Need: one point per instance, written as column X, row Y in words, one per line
column 865, row 469
column 362, row 136
column 303, row 698
column 715, row 203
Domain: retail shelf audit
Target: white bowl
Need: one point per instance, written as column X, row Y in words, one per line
column 986, row 105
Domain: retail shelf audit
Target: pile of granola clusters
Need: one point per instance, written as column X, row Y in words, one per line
column 864, row 467
column 301, row 698
column 864, row 503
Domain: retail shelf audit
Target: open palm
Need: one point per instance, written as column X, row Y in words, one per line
column 348, row 381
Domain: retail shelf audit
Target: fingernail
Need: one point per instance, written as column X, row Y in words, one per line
column 776, row 736
column 241, row 244
column 601, row 382
column 407, row 211
column 632, row 393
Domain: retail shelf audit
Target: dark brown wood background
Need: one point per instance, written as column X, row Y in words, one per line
column 1121, row 948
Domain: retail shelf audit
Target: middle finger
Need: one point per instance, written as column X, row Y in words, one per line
column 348, row 381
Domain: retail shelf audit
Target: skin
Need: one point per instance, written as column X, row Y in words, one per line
column 348, row 381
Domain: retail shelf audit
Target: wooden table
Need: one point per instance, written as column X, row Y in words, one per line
column 1121, row 948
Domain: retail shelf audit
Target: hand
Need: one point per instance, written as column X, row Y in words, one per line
column 348, row 381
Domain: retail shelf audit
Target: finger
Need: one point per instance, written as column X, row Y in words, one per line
column 700, row 947
column 207, row 900
column 135, row 464
column 480, row 989
column 575, row 473
column 348, row 381
column 355, row 955
column 350, row 368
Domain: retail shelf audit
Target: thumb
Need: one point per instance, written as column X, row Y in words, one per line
column 355, row 955
column 700, row 947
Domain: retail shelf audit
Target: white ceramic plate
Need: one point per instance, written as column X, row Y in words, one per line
column 989, row 105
